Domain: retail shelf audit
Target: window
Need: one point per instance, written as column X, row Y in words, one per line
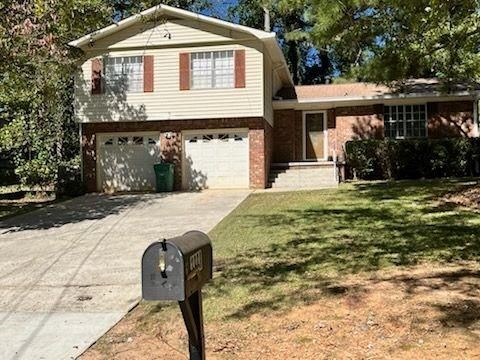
column 108, row 142
column 137, row 140
column 405, row 121
column 207, row 138
column 152, row 141
column 212, row 70
column 124, row 74
column 122, row 140
column 224, row 137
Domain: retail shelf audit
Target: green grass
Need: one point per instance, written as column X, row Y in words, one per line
column 279, row 250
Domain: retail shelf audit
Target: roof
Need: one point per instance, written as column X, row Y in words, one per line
column 369, row 90
column 356, row 94
column 339, row 90
column 268, row 38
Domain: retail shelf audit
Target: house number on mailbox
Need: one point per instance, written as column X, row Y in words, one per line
column 196, row 263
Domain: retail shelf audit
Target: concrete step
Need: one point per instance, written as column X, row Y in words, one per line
column 310, row 177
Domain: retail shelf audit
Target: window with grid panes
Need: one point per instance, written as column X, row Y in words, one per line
column 124, row 74
column 405, row 121
column 211, row 70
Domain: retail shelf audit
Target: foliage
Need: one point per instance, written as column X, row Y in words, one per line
column 389, row 41
column 308, row 64
column 412, row 159
column 36, row 79
column 36, row 82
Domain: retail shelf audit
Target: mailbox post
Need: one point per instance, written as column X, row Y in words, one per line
column 176, row 270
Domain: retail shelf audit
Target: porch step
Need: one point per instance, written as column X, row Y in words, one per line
column 304, row 176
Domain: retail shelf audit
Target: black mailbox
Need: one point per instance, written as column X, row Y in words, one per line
column 176, row 270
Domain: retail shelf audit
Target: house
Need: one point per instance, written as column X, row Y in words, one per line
column 217, row 100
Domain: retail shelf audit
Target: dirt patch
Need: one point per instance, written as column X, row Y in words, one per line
column 420, row 312
column 465, row 197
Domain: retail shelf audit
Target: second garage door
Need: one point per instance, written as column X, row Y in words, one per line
column 216, row 159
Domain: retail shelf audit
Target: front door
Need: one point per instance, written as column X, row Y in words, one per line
column 315, row 136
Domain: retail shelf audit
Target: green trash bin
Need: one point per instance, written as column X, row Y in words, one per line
column 164, row 176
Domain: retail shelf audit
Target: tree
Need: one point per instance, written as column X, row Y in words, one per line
column 390, row 41
column 308, row 65
column 36, row 80
column 126, row 8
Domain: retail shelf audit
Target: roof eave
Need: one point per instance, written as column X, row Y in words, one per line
column 169, row 10
column 284, row 104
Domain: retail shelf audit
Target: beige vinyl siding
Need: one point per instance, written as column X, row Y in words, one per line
column 170, row 33
column 167, row 102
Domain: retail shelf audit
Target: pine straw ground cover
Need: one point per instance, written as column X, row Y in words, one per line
column 371, row 270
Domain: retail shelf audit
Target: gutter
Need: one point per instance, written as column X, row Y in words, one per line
column 359, row 100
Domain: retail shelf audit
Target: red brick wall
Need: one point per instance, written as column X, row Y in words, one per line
column 450, row 119
column 172, row 148
column 445, row 119
column 354, row 123
column 268, row 150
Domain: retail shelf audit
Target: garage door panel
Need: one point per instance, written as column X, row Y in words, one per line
column 216, row 159
column 126, row 162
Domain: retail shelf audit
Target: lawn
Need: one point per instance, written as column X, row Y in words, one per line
column 310, row 254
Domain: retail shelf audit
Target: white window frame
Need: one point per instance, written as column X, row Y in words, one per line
column 404, row 121
column 114, row 85
column 325, row 134
column 212, row 70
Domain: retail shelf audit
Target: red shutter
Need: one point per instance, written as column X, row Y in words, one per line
column 239, row 68
column 97, row 68
column 148, row 73
column 184, row 71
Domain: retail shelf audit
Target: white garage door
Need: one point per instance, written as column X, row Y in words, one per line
column 216, row 160
column 125, row 161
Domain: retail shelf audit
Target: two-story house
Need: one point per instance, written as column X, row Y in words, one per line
column 217, row 100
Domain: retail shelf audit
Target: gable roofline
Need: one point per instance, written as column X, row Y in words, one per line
column 269, row 38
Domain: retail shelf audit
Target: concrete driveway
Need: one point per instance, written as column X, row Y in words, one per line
column 69, row 272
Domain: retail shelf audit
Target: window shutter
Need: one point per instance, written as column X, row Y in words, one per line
column 148, row 73
column 239, row 68
column 184, row 71
column 97, row 68
column 331, row 119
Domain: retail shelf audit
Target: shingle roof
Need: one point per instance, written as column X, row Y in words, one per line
column 415, row 86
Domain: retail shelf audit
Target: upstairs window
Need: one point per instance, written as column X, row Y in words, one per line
column 212, row 70
column 405, row 121
column 124, row 74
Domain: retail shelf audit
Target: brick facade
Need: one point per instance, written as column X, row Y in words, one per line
column 450, row 119
column 260, row 137
column 445, row 119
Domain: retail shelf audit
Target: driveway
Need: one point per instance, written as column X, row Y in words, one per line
column 69, row 272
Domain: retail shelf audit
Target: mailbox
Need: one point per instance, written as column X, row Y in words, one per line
column 176, row 270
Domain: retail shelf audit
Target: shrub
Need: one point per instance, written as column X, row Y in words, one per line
column 413, row 158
